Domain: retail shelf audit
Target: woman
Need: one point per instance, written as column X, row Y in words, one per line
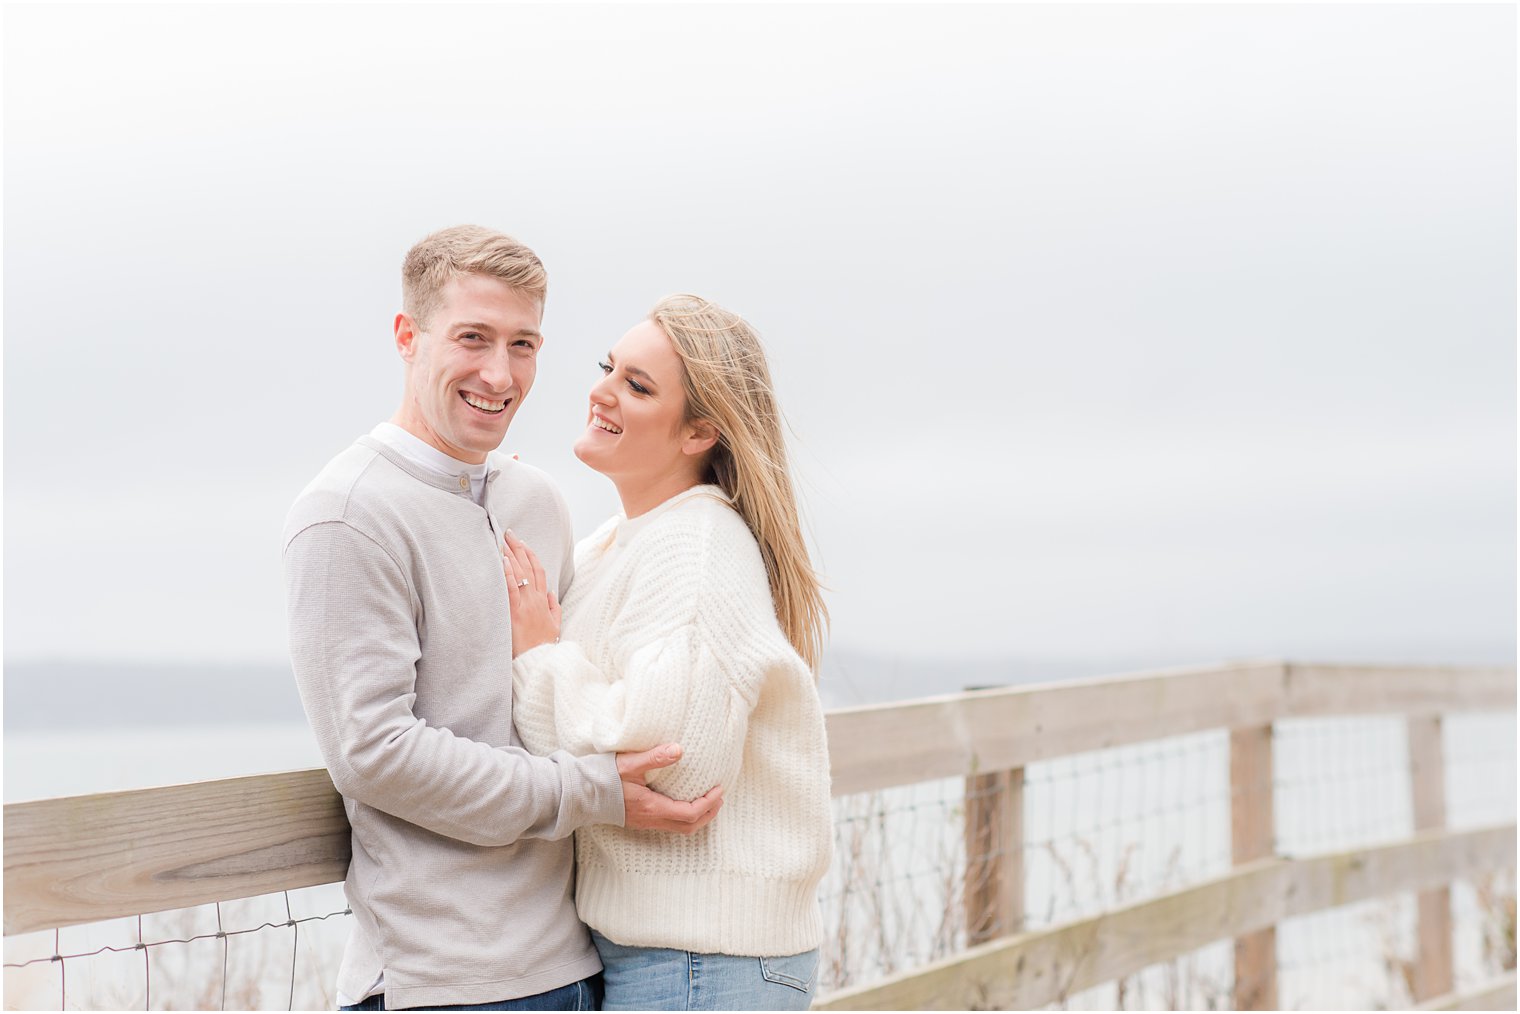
column 695, row 617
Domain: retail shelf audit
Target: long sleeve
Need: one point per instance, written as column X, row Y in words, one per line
column 672, row 690
column 355, row 649
column 670, row 635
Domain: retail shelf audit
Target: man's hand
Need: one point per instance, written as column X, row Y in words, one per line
column 646, row 810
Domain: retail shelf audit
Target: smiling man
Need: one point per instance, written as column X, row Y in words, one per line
column 460, row 880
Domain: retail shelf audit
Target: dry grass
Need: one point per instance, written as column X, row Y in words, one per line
column 1496, row 900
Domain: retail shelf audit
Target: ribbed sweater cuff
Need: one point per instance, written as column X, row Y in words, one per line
column 608, row 806
column 706, row 913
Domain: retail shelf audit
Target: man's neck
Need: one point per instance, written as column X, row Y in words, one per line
column 415, row 449
column 419, row 428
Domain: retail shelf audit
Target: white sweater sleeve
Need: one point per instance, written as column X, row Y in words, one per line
column 671, row 691
column 694, row 640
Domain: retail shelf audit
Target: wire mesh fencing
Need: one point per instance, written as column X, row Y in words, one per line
column 1343, row 783
column 273, row 952
column 1109, row 828
column 1099, row 830
column 1125, row 825
column 1480, row 789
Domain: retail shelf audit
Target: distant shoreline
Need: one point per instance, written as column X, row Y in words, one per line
column 80, row 696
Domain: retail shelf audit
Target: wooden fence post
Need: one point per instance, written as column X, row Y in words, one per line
column 994, row 884
column 1427, row 786
column 1251, row 839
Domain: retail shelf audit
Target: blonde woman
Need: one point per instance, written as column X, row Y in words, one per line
column 695, row 617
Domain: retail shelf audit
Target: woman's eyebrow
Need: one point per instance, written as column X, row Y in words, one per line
column 633, row 370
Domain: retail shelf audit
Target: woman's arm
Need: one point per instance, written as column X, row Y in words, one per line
column 536, row 621
column 693, row 641
column 672, row 690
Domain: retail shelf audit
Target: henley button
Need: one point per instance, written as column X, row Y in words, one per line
column 464, row 482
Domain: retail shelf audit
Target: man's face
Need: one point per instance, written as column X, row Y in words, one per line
column 469, row 365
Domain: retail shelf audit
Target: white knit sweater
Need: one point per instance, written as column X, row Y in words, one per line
column 670, row 635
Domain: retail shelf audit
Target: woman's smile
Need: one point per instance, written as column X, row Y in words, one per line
column 636, row 429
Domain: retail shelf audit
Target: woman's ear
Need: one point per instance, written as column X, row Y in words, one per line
column 700, row 436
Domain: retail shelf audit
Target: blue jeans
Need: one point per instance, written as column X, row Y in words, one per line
column 583, row 995
column 657, row 978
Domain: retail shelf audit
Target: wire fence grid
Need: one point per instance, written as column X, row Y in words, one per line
column 1342, row 783
column 273, row 952
column 1099, row 830
column 1119, row 826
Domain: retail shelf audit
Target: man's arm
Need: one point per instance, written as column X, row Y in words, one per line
column 354, row 648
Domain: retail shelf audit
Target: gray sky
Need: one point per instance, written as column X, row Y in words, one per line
column 1138, row 333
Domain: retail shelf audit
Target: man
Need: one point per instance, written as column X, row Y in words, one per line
column 462, row 867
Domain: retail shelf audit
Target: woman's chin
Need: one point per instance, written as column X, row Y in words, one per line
column 587, row 453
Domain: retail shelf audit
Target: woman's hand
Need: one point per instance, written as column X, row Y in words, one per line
column 535, row 610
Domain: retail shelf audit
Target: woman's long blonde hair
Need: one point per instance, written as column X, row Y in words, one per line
column 729, row 384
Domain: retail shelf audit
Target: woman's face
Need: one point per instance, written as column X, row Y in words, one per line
column 634, row 429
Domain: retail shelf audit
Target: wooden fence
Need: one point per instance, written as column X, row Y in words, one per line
column 90, row 858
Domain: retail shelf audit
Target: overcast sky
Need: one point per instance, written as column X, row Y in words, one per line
column 1165, row 334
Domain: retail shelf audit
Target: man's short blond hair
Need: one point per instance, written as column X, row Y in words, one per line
column 461, row 250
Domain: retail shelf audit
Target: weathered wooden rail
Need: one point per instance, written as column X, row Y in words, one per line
column 89, row 858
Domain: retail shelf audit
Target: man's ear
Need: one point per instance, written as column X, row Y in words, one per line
column 408, row 337
column 700, row 436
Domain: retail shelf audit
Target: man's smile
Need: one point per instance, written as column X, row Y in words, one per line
column 483, row 404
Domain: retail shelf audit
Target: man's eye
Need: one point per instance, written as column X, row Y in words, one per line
column 472, row 336
column 605, row 367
